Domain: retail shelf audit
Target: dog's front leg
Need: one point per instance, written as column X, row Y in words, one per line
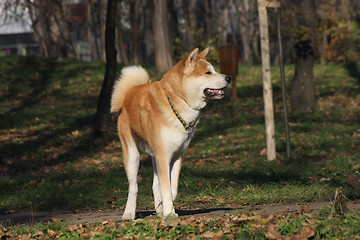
column 175, row 172
column 163, row 169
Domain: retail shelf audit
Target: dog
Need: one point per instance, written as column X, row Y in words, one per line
column 160, row 118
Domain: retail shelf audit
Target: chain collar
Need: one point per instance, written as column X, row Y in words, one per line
column 186, row 125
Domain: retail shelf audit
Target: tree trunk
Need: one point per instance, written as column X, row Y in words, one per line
column 62, row 34
column 103, row 107
column 93, row 33
column 33, row 12
column 247, row 26
column 120, row 41
column 163, row 49
column 189, row 23
column 135, row 10
column 102, row 20
column 302, row 87
column 222, row 22
column 51, row 30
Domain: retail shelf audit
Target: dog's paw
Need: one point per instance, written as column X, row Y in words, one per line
column 171, row 220
column 128, row 216
column 171, row 215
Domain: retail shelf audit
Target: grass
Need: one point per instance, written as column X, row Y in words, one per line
column 50, row 162
column 316, row 225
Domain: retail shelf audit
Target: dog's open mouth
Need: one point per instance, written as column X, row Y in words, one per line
column 214, row 93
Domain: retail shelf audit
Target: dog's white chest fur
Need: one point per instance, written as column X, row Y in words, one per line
column 177, row 140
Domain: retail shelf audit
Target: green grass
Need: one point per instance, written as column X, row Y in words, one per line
column 315, row 225
column 49, row 160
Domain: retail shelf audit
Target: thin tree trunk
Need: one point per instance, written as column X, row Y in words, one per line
column 135, row 11
column 163, row 59
column 103, row 14
column 267, row 86
column 188, row 39
column 89, row 32
column 35, row 25
column 103, row 107
column 121, row 45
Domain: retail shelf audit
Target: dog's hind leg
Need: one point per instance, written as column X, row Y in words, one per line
column 156, row 190
column 131, row 157
column 175, row 172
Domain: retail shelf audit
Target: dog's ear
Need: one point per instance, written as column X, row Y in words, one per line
column 191, row 57
column 203, row 53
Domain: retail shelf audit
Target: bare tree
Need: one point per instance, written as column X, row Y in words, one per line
column 93, row 29
column 163, row 47
column 123, row 58
column 248, row 29
column 52, row 31
column 103, row 107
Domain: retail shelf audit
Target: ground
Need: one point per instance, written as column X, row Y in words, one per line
column 99, row 216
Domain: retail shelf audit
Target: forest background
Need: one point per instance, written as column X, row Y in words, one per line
column 334, row 28
column 50, row 162
column 160, row 33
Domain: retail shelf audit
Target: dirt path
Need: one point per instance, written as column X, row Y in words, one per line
column 92, row 216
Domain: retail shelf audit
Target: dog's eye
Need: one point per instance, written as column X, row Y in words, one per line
column 208, row 72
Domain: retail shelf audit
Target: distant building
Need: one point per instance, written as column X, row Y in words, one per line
column 16, row 34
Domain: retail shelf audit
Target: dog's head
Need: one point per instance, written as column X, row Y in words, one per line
column 200, row 80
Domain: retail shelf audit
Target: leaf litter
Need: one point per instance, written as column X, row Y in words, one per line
column 305, row 223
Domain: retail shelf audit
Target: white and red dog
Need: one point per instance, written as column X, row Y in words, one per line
column 160, row 118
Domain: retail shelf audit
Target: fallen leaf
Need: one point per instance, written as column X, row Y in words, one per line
column 85, row 235
column 81, row 229
column 190, row 151
column 305, row 234
column 111, row 200
column 271, row 233
column 254, row 220
column 324, row 179
column 38, row 234
column 72, row 227
column 218, row 235
column 208, row 235
column 25, row 236
column 356, row 167
column 139, row 178
column 75, row 133
column 52, row 233
column 305, row 209
column 32, row 182
column 263, row 152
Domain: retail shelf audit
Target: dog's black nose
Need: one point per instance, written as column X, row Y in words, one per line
column 228, row 78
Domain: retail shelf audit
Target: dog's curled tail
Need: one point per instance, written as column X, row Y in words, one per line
column 130, row 77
